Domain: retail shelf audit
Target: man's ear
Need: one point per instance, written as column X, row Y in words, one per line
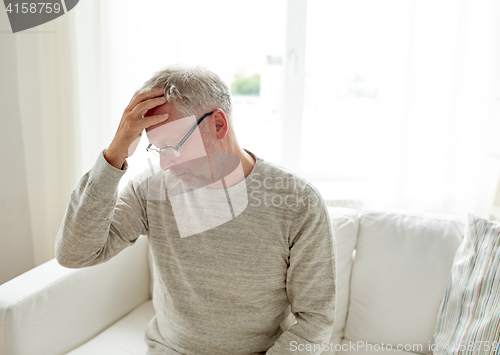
column 221, row 124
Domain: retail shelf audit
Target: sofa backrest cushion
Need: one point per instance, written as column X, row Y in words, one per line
column 399, row 276
column 345, row 224
column 345, row 227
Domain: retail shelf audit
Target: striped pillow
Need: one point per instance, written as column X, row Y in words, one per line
column 468, row 319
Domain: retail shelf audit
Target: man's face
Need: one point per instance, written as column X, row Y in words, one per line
column 192, row 165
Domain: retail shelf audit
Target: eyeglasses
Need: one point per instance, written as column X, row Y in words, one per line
column 171, row 151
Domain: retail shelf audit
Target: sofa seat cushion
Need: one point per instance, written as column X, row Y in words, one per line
column 399, row 276
column 124, row 337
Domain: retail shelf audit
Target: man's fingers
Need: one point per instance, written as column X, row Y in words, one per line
column 133, row 97
column 152, row 120
column 146, row 95
column 143, row 107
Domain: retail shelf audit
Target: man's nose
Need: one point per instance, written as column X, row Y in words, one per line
column 166, row 162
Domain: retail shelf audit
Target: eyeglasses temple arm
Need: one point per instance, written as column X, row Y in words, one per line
column 192, row 130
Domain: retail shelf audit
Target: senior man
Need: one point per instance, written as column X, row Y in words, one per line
column 238, row 243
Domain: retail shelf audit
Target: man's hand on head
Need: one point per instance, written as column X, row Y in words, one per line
column 132, row 124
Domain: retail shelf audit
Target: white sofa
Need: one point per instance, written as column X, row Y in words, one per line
column 392, row 272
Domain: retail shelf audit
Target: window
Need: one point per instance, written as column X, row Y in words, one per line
column 380, row 103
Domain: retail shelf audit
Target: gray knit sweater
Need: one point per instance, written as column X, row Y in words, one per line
column 225, row 290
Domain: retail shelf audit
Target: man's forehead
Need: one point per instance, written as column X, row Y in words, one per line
column 169, row 120
column 167, row 107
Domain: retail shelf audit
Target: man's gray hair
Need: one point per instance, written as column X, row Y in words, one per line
column 192, row 90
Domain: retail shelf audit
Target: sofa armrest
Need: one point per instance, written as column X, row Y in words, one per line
column 52, row 309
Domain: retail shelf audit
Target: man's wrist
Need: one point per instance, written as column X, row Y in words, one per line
column 115, row 160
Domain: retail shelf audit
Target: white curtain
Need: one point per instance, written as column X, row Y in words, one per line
column 54, row 104
column 436, row 132
column 402, row 104
column 43, row 76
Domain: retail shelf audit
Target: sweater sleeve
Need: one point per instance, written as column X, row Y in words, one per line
column 311, row 280
column 99, row 222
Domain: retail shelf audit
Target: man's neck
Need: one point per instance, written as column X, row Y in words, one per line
column 247, row 161
column 236, row 176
